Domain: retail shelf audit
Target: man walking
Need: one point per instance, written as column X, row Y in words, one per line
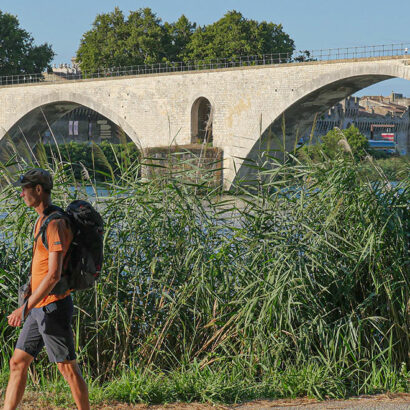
column 47, row 317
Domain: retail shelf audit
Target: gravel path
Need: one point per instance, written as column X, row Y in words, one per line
column 383, row 401
column 396, row 401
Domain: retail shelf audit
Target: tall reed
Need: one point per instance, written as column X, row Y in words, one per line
column 310, row 270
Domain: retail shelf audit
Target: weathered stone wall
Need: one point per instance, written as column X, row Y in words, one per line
column 191, row 163
column 247, row 102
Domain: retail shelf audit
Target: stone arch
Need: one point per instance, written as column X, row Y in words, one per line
column 46, row 109
column 311, row 99
column 201, row 121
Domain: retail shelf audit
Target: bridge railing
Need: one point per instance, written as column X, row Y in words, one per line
column 240, row 61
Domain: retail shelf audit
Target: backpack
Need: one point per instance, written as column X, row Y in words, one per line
column 83, row 261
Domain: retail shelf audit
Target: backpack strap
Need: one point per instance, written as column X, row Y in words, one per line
column 52, row 212
column 52, row 208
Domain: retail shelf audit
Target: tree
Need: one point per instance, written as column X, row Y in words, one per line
column 233, row 36
column 18, row 54
column 180, row 34
column 357, row 141
column 147, row 39
column 304, row 56
column 115, row 41
column 141, row 38
column 104, row 43
column 332, row 146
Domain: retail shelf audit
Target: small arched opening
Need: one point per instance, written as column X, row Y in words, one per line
column 201, row 121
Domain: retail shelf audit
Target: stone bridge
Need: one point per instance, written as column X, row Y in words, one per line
column 247, row 105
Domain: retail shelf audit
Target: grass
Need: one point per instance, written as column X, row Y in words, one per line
column 221, row 385
column 298, row 286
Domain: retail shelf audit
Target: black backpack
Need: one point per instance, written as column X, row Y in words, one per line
column 83, row 261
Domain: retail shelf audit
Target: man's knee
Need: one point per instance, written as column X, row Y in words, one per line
column 20, row 362
column 69, row 369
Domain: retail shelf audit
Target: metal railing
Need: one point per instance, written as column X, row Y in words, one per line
column 242, row 61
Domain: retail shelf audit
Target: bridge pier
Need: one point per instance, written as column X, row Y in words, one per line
column 193, row 163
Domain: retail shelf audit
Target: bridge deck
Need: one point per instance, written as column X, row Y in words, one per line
column 47, row 79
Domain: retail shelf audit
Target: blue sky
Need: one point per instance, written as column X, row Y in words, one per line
column 313, row 24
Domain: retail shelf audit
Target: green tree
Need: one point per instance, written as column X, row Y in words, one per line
column 304, row 56
column 234, row 35
column 105, row 43
column 115, row 41
column 18, row 54
column 141, row 38
column 180, row 34
column 357, row 141
column 332, row 145
column 147, row 41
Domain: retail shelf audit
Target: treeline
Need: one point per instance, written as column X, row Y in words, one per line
column 142, row 38
column 99, row 161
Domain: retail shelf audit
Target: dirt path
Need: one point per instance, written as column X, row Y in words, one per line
column 382, row 401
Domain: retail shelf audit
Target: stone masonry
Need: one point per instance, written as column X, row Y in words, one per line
column 249, row 104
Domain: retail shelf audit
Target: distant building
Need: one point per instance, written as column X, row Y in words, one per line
column 373, row 116
column 82, row 125
column 64, row 69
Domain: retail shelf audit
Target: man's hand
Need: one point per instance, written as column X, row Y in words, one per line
column 15, row 317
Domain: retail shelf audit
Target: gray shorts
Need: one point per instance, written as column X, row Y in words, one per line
column 49, row 326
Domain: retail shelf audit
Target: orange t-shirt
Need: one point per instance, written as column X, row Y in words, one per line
column 59, row 237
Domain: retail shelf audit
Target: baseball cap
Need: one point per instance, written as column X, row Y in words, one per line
column 34, row 177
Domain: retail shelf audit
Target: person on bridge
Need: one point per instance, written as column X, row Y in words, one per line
column 47, row 317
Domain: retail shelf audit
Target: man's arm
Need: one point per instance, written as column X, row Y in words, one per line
column 55, row 263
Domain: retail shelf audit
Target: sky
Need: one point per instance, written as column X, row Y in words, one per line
column 312, row 24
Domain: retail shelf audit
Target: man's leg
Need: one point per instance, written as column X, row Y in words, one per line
column 71, row 372
column 19, row 364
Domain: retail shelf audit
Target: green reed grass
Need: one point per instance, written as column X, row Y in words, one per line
column 297, row 287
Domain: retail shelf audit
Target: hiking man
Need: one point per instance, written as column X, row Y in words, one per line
column 47, row 316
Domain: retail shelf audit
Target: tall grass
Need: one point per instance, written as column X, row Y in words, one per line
column 300, row 286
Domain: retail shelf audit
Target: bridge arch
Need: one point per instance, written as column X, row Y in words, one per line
column 298, row 110
column 42, row 111
column 201, row 120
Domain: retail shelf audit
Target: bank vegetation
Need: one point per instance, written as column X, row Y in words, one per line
column 296, row 286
